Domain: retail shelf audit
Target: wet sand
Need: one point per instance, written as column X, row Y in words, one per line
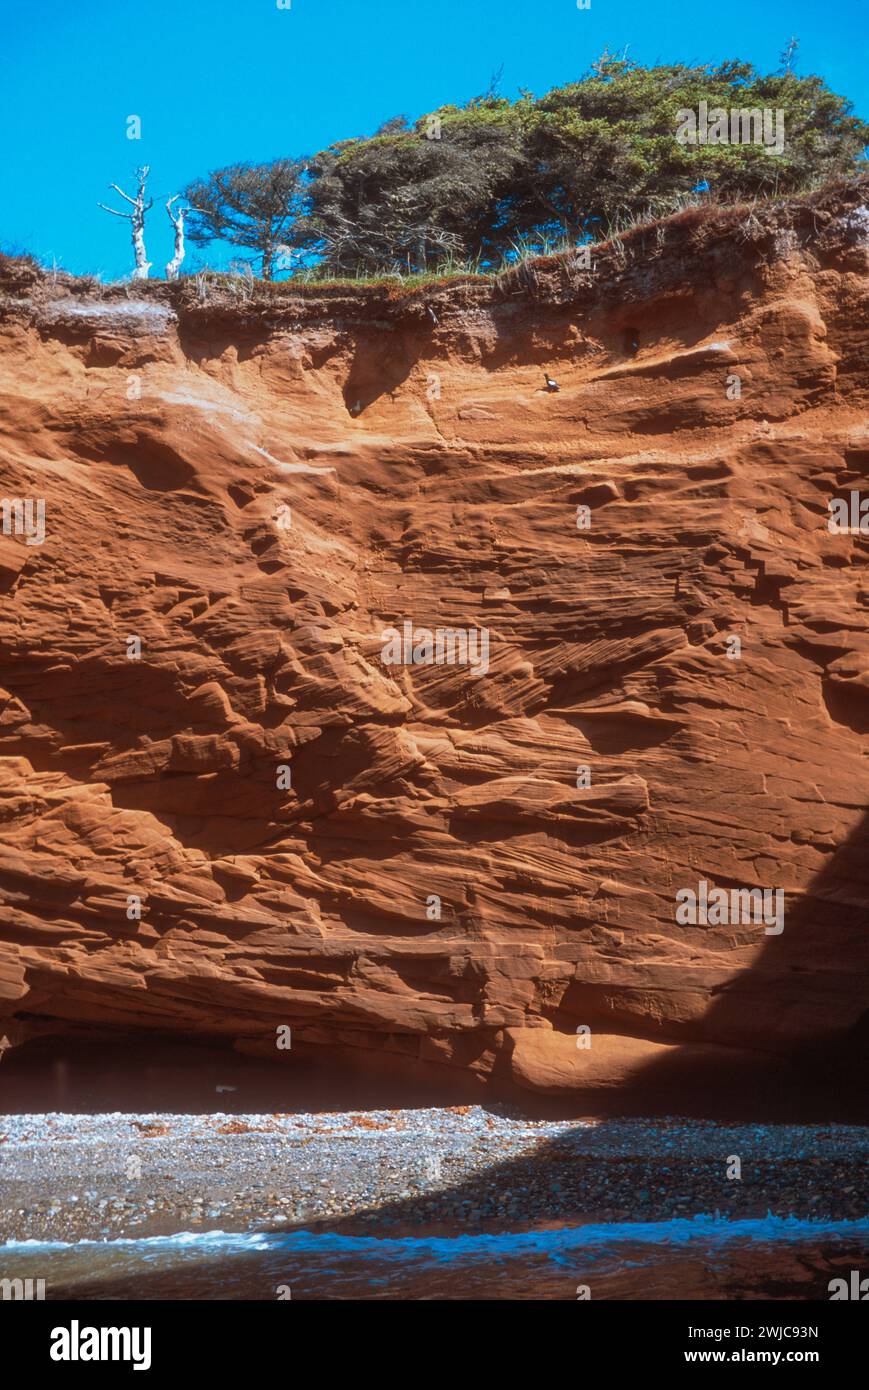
column 699, row 1259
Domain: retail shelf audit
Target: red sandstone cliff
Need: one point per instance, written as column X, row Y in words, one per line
column 429, row 478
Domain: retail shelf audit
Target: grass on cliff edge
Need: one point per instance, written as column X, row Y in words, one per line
column 22, row 272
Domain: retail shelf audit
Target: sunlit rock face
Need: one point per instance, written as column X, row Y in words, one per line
column 354, row 681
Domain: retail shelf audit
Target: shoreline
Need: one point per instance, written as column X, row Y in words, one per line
column 71, row 1177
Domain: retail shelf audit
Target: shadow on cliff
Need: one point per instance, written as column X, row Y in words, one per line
column 375, row 371
column 808, row 987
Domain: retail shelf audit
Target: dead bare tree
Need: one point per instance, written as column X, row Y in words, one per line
column 136, row 219
column 177, row 220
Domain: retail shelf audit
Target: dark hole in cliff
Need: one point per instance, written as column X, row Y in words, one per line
column 847, row 706
column 102, row 1072
column 139, row 1074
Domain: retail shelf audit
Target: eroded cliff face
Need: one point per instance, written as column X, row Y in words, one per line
column 257, row 491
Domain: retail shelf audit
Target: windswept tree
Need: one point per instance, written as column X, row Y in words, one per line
column 473, row 182
column 249, row 205
column 606, row 147
column 136, row 219
column 403, row 201
column 478, row 182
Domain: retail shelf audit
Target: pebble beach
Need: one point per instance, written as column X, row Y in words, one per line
column 72, row 1177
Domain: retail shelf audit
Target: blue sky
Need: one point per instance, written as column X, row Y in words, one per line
column 218, row 81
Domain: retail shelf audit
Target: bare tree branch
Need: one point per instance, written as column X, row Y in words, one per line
column 136, row 218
